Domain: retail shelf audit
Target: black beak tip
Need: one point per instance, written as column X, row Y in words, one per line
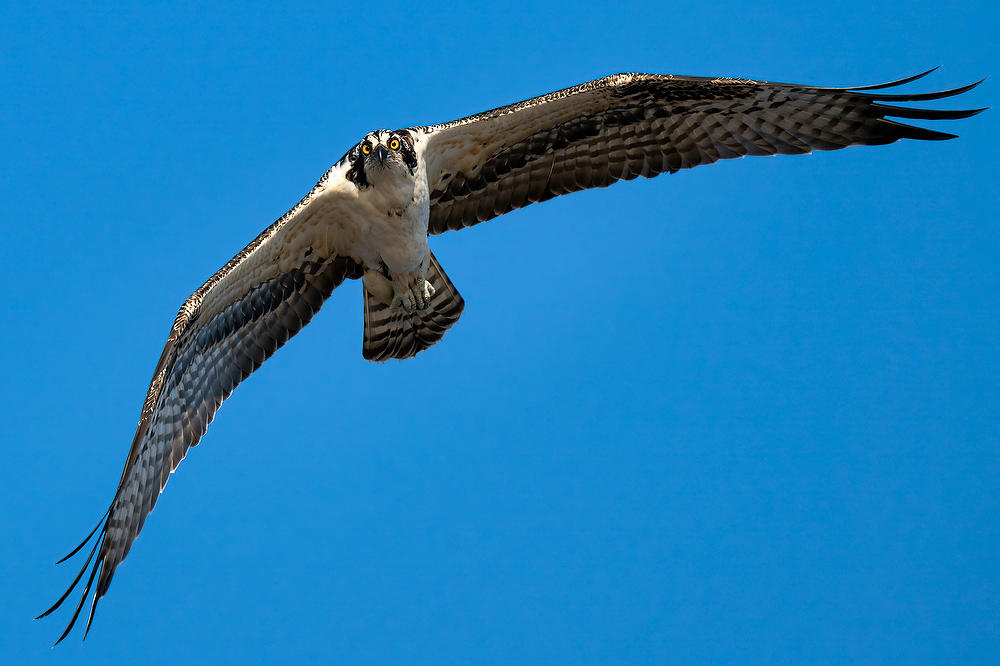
column 381, row 154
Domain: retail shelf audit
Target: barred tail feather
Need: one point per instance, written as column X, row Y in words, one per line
column 395, row 333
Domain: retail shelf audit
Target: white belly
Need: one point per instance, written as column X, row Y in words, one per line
column 392, row 219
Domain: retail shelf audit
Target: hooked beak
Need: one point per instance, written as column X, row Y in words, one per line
column 381, row 154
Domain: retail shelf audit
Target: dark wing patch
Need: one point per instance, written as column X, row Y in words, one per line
column 202, row 363
column 631, row 125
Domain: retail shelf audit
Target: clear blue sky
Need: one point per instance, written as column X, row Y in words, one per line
column 747, row 413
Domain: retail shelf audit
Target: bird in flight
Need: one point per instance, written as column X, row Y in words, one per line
column 370, row 215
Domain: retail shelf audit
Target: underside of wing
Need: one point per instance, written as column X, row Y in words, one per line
column 224, row 332
column 629, row 125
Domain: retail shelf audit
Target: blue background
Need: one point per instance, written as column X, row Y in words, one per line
column 742, row 414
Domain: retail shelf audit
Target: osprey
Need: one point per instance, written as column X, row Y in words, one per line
column 370, row 215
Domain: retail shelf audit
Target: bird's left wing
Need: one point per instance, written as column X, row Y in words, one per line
column 223, row 332
column 629, row 125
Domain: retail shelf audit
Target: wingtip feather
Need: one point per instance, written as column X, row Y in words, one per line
column 927, row 114
column 84, row 542
column 83, row 599
column 923, row 97
column 76, row 581
column 904, row 131
column 893, row 84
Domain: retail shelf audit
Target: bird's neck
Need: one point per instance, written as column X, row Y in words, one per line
column 395, row 192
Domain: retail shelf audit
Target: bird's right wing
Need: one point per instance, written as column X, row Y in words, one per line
column 223, row 332
column 629, row 125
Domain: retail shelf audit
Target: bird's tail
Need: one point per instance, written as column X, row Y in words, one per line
column 396, row 333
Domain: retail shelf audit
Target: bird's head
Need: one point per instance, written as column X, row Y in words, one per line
column 381, row 154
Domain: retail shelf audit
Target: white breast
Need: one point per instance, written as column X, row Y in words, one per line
column 393, row 215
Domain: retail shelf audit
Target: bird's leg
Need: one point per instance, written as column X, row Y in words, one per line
column 412, row 291
column 378, row 285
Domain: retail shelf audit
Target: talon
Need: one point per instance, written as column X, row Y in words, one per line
column 417, row 296
column 423, row 291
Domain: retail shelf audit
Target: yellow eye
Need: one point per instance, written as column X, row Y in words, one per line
column 394, row 143
column 366, row 148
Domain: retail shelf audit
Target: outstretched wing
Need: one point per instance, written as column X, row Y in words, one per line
column 223, row 332
column 629, row 125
